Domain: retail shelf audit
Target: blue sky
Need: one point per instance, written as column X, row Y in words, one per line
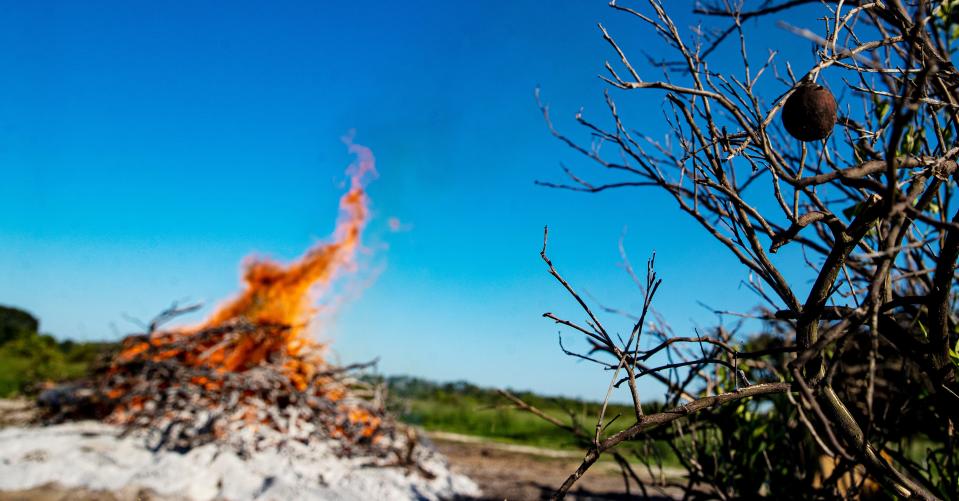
column 147, row 148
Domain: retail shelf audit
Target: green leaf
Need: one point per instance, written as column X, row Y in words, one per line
column 853, row 211
column 954, row 354
column 882, row 109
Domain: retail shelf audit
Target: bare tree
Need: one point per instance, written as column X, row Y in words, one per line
column 860, row 361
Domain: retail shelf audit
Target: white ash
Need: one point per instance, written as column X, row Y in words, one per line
column 93, row 455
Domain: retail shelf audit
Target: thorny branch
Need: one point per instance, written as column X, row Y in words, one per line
column 863, row 344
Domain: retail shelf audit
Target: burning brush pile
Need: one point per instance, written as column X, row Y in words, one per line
column 246, row 384
column 250, row 382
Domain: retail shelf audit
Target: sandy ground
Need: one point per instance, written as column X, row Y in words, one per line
column 517, row 473
column 503, row 471
column 57, row 493
column 503, row 475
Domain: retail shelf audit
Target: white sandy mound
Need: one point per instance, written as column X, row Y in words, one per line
column 92, row 455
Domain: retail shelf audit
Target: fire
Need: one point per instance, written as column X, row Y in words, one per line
column 261, row 332
column 280, row 296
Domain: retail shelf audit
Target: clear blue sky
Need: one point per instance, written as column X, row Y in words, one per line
column 147, row 147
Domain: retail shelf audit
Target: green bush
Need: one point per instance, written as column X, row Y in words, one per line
column 29, row 359
column 15, row 322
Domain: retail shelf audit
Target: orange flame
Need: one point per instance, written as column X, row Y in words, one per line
column 277, row 294
column 278, row 297
column 265, row 325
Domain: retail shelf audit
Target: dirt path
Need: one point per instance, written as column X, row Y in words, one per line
column 515, row 472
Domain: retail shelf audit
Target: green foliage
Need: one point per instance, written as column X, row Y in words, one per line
column 912, row 141
column 28, row 358
column 753, row 447
column 946, row 16
column 15, row 322
column 464, row 408
column 470, row 410
column 954, row 354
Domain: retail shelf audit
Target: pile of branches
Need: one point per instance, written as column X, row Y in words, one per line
column 158, row 386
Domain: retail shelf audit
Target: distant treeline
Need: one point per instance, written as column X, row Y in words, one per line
column 28, row 359
column 409, row 387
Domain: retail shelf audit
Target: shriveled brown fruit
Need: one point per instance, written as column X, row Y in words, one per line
column 810, row 112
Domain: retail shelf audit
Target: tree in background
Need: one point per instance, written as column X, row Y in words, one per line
column 29, row 358
column 852, row 386
column 15, row 323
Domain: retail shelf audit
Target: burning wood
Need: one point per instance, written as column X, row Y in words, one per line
column 249, row 376
column 167, row 386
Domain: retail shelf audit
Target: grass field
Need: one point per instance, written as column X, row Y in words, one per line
column 470, row 410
